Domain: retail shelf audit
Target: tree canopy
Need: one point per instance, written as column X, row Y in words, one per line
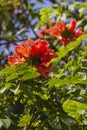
column 43, row 65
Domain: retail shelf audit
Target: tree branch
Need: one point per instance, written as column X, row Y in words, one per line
column 53, row 1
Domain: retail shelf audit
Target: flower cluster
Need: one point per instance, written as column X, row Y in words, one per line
column 37, row 54
column 65, row 33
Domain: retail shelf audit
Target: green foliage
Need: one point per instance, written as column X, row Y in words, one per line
column 72, row 45
column 5, row 122
column 30, row 73
column 25, row 120
column 75, row 109
column 29, row 101
column 8, row 70
column 45, row 16
column 68, row 79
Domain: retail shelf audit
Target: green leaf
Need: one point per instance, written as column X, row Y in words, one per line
column 21, row 67
column 67, row 80
column 25, row 120
column 16, row 3
column 74, row 108
column 45, row 16
column 8, row 70
column 11, row 77
column 44, row 96
column 7, row 86
column 5, row 122
column 30, row 73
column 1, row 123
column 16, row 90
column 2, row 90
column 63, row 51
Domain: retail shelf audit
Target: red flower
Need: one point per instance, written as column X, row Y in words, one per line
column 38, row 47
column 15, row 59
column 65, row 33
column 78, row 32
column 39, row 54
column 23, row 50
column 42, row 31
column 41, row 48
column 57, row 29
column 64, row 40
column 44, row 70
column 47, row 56
column 72, row 25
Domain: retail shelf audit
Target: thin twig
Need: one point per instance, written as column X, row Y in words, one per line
column 20, row 31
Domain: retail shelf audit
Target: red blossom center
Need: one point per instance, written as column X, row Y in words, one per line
column 67, row 33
